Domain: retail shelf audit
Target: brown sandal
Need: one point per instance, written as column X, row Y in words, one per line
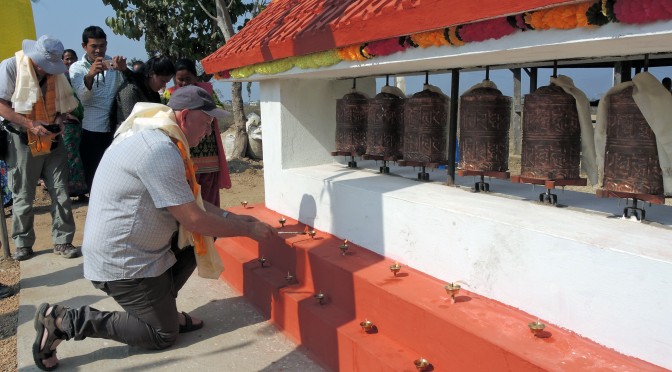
column 54, row 334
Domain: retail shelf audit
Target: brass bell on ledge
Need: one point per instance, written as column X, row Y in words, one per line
column 536, row 327
column 422, row 364
column 395, row 268
column 320, row 297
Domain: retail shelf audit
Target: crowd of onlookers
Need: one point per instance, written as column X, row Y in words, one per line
column 150, row 165
column 106, row 89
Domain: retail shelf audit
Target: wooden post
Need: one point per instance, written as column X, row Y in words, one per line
column 452, row 126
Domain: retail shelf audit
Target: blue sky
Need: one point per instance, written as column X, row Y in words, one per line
column 66, row 19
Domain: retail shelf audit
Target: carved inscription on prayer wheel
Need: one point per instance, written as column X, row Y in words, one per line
column 425, row 127
column 351, row 117
column 631, row 157
column 385, row 125
column 485, row 115
column 551, row 135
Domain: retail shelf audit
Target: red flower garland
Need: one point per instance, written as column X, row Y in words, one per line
column 484, row 30
column 384, row 47
column 642, row 11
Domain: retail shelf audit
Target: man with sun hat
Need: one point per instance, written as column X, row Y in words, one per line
column 34, row 98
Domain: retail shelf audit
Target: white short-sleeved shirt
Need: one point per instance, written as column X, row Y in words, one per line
column 128, row 227
column 98, row 100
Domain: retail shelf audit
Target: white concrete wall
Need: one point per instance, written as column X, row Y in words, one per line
column 606, row 279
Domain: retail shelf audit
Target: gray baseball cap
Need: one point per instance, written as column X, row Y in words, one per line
column 194, row 98
column 46, row 52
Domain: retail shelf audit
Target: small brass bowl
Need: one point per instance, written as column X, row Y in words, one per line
column 262, row 261
column 421, row 364
column 320, row 297
column 452, row 289
column 289, row 278
column 395, row 268
column 344, row 247
column 244, row 203
column 282, row 221
column 366, row 325
column 311, row 233
column 536, row 327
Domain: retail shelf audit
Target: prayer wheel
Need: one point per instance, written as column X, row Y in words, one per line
column 425, row 127
column 551, row 135
column 485, row 115
column 631, row 157
column 351, row 117
column 384, row 133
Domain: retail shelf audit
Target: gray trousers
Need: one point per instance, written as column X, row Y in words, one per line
column 24, row 171
column 150, row 319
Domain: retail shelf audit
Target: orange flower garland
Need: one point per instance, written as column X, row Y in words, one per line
column 430, row 38
column 563, row 17
column 453, row 37
column 351, row 53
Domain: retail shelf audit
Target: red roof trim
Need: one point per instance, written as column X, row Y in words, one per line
column 298, row 27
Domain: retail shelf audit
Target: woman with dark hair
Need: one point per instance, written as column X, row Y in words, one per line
column 212, row 171
column 69, row 57
column 141, row 86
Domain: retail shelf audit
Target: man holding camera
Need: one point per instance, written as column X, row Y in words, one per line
column 96, row 78
column 34, row 97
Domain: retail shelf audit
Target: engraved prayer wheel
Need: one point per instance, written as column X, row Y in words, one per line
column 351, row 117
column 631, row 157
column 385, row 126
column 425, row 127
column 485, row 115
column 551, row 135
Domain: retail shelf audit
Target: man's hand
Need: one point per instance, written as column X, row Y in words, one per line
column 37, row 128
column 120, row 63
column 97, row 66
column 260, row 230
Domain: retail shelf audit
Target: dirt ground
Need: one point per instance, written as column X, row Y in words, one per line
column 248, row 184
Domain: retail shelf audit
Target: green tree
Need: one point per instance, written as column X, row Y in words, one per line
column 187, row 29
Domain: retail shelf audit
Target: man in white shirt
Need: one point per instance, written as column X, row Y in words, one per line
column 96, row 78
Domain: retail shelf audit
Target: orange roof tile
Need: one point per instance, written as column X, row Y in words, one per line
column 289, row 28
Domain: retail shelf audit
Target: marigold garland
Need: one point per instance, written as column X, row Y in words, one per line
column 563, row 17
column 430, row 38
column 385, row 47
column 642, row 11
column 586, row 14
column 242, row 72
column 484, row 30
column 317, row 60
column 518, row 21
column 453, row 36
column 351, row 53
column 596, row 16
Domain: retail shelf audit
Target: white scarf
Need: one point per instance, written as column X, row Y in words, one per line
column 147, row 116
column 27, row 90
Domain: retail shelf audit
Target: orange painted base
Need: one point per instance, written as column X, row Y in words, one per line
column 412, row 314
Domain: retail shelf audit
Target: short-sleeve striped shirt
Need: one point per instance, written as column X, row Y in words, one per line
column 128, row 227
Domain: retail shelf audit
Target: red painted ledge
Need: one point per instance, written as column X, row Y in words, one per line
column 414, row 317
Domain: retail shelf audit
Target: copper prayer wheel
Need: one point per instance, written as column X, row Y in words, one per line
column 631, row 157
column 485, row 115
column 351, row 117
column 425, row 127
column 551, row 135
column 385, row 126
